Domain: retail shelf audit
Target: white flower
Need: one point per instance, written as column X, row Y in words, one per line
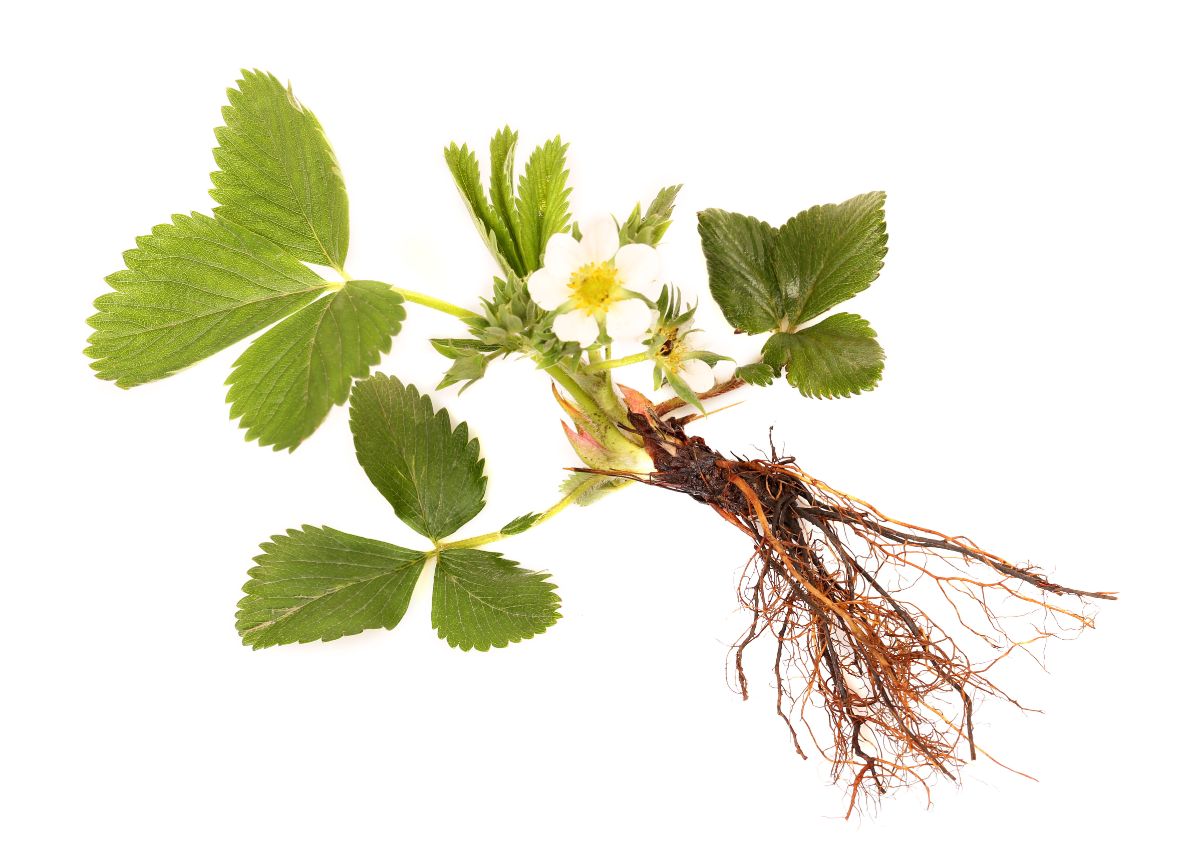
column 681, row 360
column 595, row 280
column 697, row 374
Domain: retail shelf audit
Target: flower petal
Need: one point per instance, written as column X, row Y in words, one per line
column 697, row 374
column 638, row 265
column 563, row 254
column 600, row 240
column 629, row 318
column 548, row 288
column 577, row 326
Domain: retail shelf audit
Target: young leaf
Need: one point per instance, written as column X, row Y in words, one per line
column 543, row 202
column 503, row 154
column 835, row 358
column 321, row 584
column 650, row 228
column 740, row 273
column 594, row 491
column 278, row 174
column 283, row 386
column 193, row 287
column 829, row 253
column 481, row 600
column 520, row 524
column 464, row 167
column 427, row 469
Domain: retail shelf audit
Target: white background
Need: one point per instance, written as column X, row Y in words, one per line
column 1038, row 307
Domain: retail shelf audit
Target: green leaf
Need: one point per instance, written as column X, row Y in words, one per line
column 829, row 253
column 321, row 584
column 520, row 524
column 835, row 358
column 543, row 201
column 284, row 385
column 757, row 374
column 193, row 287
column 464, row 167
column 741, row 276
column 481, row 600
column 278, row 175
column 767, row 279
column 427, row 469
column 503, row 154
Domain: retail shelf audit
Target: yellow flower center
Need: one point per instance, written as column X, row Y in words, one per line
column 594, row 286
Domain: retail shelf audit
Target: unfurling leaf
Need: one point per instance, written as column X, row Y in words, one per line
column 515, row 228
column 284, row 385
column 278, row 174
column 481, row 600
column 835, row 358
column 520, row 524
column 193, row 287
column 650, row 228
column 771, row 279
column 429, row 470
column 320, row 584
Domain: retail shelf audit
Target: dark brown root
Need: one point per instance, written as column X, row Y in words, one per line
column 834, row 582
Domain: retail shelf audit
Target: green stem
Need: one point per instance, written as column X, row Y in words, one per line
column 621, row 362
column 586, row 401
column 436, row 304
column 561, row 505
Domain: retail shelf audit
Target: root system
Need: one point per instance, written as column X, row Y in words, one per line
column 879, row 687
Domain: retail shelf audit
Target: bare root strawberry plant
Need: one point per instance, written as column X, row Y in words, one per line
column 879, row 637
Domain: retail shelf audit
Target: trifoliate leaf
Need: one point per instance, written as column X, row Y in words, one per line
column 520, row 524
column 835, row 358
column 321, row 584
column 193, row 287
column 481, row 600
column 283, row 386
column 767, row 279
column 757, row 374
column 543, row 201
column 427, row 469
column 278, row 174
column 829, row 253
column 741, row 274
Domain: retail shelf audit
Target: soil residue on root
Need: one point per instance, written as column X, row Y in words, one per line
column 839, row 591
